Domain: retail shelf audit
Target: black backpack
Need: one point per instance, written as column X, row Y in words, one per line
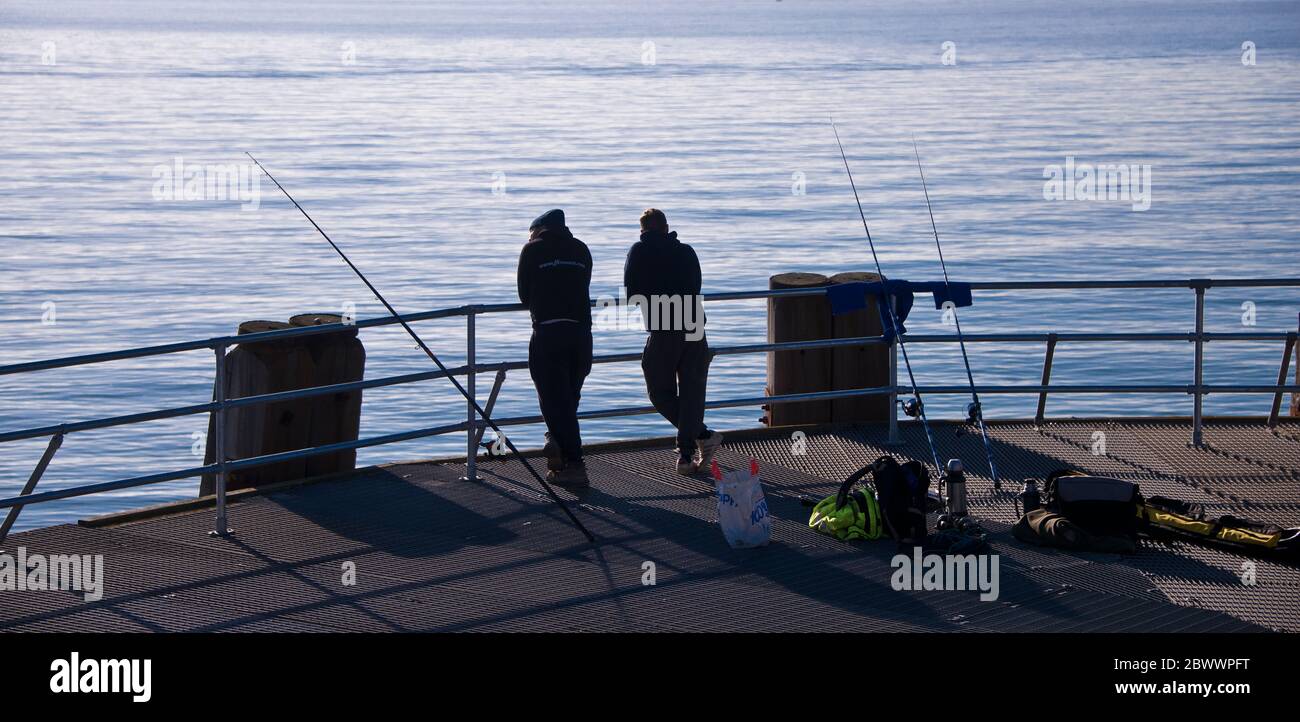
column 902, row 492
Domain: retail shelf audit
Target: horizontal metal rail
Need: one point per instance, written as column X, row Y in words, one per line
column 248, row 463
column 264, row 336
column 279, row 396
column 474, row 427
column 104, row 423
column 212, row 343
column 280, row 457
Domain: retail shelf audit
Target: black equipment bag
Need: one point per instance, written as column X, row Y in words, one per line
column 1047, row 528
column 1098, row 505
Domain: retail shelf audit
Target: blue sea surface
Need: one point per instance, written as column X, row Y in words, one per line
column 424, row 136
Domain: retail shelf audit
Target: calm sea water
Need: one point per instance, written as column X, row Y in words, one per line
column 395, row 125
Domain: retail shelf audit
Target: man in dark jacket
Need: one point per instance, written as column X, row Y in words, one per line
column 662, row 275
column 554, row 282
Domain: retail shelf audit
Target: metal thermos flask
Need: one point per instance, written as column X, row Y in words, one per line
column 956, row 478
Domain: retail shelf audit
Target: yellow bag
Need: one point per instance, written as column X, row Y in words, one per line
column 1165, row 514
column 850, row 513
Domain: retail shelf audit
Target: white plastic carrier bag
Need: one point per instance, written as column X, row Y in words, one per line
column 742, row 509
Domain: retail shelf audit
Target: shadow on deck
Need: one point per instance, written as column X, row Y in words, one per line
column 431, row 553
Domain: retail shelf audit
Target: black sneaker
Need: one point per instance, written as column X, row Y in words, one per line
column 573, row 476
column 554, row 456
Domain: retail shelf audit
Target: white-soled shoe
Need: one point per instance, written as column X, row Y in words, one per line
column 705, row 448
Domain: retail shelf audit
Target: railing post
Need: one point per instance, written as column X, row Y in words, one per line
column 487, row 408
column 221, row 527
column 1199, row 368
column 471, row 420
column 1047, row 376
column 55, row 442
column 1281, row 379
column 893, row 385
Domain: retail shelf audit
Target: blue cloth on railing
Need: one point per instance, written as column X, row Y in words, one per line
column 958, row 293
column 848, row 297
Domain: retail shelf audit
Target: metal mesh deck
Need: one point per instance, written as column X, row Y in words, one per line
column 435, row 554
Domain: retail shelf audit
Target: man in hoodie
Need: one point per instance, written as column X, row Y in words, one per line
column 662, row 275
column 554, row 282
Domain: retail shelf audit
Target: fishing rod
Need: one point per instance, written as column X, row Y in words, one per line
column 974, row 412
column 898, row 332
column 433, row 357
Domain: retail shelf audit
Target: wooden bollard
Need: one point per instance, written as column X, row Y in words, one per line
column 858, row 367
column 798, row 318
column 337, row 358
column 251, row 370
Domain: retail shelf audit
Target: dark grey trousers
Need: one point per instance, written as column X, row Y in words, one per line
column 559, row 359
column 676, row 376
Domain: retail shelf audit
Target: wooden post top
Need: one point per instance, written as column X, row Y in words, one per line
column 322, row 319
column 797, row 279
column 264, row 347
column 855, row 277
column 259, row 326
column 315, row 319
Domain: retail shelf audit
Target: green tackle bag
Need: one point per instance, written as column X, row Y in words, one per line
column 851, row 513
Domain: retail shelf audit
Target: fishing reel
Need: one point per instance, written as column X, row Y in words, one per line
column 911, row 407
column 973, row 413
column 963, row 524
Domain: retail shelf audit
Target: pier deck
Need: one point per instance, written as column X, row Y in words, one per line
column 432, row 553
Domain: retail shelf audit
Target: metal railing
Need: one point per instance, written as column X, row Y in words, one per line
column 474, row 427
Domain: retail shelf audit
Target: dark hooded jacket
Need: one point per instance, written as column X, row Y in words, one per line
column 659, row 264
column 555, row 278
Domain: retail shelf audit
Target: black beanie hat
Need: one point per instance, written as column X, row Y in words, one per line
column 553, row 218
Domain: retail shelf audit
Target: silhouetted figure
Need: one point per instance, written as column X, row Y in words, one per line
column 554, row 282
column 662, row 275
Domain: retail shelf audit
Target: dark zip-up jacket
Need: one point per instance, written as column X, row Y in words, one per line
column 659, row 264
column 555, row 278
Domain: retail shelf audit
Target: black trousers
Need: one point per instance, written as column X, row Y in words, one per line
column 676, row 376
column 559, row 359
